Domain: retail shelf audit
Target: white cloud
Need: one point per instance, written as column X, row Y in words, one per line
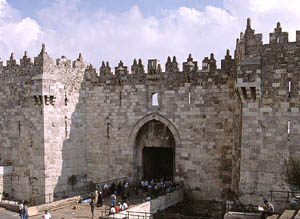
column 103, row 36
column 100, row 35
column 265, row 14
column 16, row 34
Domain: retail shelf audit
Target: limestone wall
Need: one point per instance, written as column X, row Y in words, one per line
column 201, row 122
column 268, row 85
column 5, row 180
column 21, row 126
column 65, row 121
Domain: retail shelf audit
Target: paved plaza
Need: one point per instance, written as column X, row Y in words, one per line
column 68, row 212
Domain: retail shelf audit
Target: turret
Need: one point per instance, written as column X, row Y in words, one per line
column 26, row 60
column 278, row 36
column 43, row 61
column 212, row 63
column 63, row 62
column 154, row 66
column 227, row 63
column 172, row 66
column 249, row 44
column 105, row 69
column 79, row 63
column 137, row 68
column 190, row 64
column 121, row 69
column 12, row 61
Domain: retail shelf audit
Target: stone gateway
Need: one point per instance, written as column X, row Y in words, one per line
column 224, row 132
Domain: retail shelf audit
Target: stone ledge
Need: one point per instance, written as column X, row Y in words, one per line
column 241, row 215
column 35, row 210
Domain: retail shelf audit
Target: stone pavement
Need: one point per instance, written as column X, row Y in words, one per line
column 68, row 212
column 5, row 214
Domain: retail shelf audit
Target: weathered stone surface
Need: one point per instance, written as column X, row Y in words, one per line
column 229, row 126
column 240, row 215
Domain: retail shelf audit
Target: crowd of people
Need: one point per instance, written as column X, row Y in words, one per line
column 147, row 188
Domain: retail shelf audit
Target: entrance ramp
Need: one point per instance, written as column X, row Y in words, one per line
column 147, row 209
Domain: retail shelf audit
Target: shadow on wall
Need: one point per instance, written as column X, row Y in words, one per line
column 72, row 179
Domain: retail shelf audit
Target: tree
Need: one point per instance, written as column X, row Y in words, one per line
column 291, row 171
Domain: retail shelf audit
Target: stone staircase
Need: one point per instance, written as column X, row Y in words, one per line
column 287, row 214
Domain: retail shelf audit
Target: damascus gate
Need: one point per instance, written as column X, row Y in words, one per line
column 221, row 129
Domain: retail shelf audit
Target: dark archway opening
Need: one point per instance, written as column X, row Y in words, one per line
column 158, row 163
column 155, row 150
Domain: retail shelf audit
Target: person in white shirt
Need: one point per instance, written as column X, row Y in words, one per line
column 120, row 206
column 124, row 206
column 46, row 215
column 112, row 209
column 21, row 208
column 268, row 209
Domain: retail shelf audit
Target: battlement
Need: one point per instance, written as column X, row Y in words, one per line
column 249, row 49
column 43, row 59
column 250, row 44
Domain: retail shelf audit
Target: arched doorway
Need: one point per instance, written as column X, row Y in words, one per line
column 155, row 148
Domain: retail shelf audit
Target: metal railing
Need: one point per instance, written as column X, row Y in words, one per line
column 242, row 208
column 283, row 196
column 104, row 214
column 75, row 191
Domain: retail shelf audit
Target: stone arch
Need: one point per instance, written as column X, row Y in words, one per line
column 138, row 149
column 148, row 118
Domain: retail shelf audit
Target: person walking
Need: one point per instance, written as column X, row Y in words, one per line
column 92, row 204
column 96, row 195
column 20, row 207
column 46, row 215
column 24, row 212
column 100, row 201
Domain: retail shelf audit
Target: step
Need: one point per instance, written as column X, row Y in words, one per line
column 287, row 214
column 274, row 216
column 297, row 215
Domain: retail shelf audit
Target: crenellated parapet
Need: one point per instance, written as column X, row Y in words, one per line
column 172, row 66
column 172, row 76
column 267, row 70
column 249, row 44
column 278, row 36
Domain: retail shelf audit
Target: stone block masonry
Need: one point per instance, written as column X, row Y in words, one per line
column 226, row 130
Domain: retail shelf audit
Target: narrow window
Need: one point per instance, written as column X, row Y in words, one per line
column 155, row 99
column 253, row 92
column 19, row 128
column 66, row 126
column 189, row 96
column 277, row 39
column 107, row 127
column 289, row 128
column 244, row 92
column 120, row 103
column 66, row 99
column 290, row 88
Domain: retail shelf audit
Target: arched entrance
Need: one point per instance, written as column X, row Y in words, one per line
column 154, row 139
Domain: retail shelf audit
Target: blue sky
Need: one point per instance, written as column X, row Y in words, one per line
column 147, row 7
column 113, row 30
